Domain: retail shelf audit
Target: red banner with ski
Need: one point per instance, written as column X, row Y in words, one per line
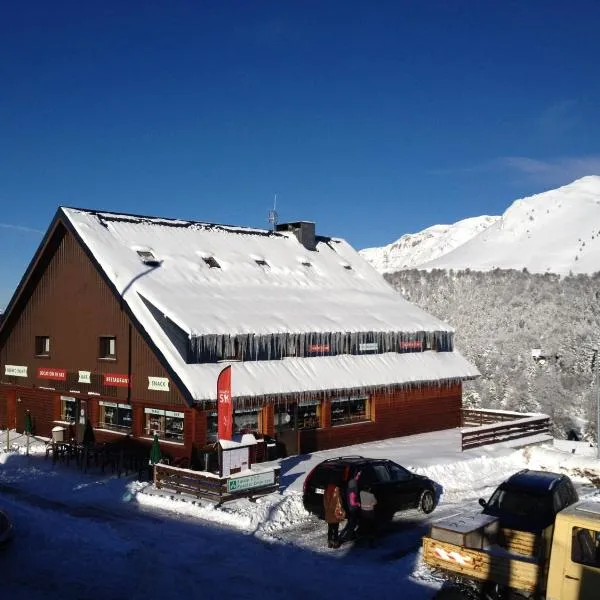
column 224, row 405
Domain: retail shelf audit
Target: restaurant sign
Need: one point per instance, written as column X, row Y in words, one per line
column 411, row 345
column 318, row 348
column 158, row 383
column 85, row 377
column 248, row 482
column 15, row 370
column 116, row 380
column 49, row 373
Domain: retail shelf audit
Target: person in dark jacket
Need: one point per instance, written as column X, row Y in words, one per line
column 89, row 438
column 334, row 514
column 353, row 504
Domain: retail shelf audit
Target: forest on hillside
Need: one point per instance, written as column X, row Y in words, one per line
column 535, row 338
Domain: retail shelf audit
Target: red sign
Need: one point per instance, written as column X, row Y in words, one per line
column 49, row 373
column 116, row 380
column 318, row 348
column 224, row 405
column 411, row 345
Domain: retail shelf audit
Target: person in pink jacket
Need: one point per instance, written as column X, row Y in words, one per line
column 353, row 505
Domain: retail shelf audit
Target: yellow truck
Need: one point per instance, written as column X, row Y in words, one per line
column 561, row 562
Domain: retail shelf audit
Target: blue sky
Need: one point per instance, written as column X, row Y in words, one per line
column 373, row 119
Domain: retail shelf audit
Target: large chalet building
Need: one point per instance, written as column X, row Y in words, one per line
column 127, row 321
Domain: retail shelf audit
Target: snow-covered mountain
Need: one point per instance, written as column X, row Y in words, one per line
column 414, row 249
column 556, row 232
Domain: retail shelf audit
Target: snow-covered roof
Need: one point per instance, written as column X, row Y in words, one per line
column 265, row 283
column 312, row 375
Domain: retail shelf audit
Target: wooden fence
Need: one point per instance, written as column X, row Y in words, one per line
column 202, row 484
column 493, row 427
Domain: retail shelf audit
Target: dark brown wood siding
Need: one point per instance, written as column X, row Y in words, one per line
column 73, row 305
column 403, row 412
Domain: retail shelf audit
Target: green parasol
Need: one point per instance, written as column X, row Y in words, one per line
column 28, row 428
column 155, row 454
column 28, row 424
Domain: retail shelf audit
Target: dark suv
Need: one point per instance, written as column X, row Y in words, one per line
column 529, row 500
column 395, row 487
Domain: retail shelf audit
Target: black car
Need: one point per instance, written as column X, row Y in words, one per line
column 395, row 487
column 529, row 500
column 6, row 529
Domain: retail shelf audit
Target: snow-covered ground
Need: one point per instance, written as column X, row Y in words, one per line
column 80, row 534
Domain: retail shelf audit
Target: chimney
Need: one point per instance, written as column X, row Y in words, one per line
column 303, row 230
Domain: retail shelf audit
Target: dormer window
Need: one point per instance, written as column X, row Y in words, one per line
column 148, row 258
column 262, row 263
column 211, row 261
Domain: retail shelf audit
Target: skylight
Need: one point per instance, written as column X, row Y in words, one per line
column 148, row 258
column 211, row 261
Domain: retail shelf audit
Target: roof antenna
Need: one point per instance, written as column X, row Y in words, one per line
column 273, row 215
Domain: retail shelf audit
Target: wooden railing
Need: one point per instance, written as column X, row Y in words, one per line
column 201, row 484
column 474, row 417
column 493, row 427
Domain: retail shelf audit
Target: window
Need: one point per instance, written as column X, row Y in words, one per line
column 148, row 258
column 398, row 473
column 307, row 415
column 211, row 261
column 42, row 345
column 263, row 263
column 117, row 417
column 108, row 348
column 245, row 421
column 68, row 409
column 283, row 417
column 212, row 426
column 585, row 547
column 167, row 424
column 349, row 410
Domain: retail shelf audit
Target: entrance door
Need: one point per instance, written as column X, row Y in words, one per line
column 80, row 418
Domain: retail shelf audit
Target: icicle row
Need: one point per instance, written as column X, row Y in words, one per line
column 388, row 390
column 209, row 348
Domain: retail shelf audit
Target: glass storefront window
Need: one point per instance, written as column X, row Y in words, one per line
column 245, row 421
column 283, row 416
column 212, row 427
column 307, row 415
column 167, row 424
column 68, row 409
column 349, row 410
column 118, row 417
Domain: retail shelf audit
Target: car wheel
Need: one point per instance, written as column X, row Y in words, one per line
column 427, row 502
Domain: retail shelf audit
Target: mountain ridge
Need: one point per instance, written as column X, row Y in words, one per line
column 557, row 231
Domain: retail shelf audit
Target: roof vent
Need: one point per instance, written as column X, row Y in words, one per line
column 303, row 230
column 262, row 263
column 347, row 266
column 211, row 261
column 148, row 258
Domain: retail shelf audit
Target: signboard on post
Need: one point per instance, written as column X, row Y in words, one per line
column 248, row 482
column 224, row 405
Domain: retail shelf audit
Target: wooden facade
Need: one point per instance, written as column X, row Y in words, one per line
column 65, row 298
